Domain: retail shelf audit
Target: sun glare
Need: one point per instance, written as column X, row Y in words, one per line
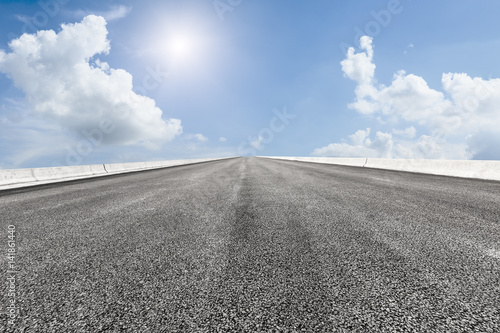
column 181, row 47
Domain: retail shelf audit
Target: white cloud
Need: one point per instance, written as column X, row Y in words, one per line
column 23, row 18
column 358, row 66
column 408, row 133
column 464, row 116
column 201, row 137
column 64, row 82
column 114, row 13
column 222, row 139
column 360, row 145
column 197, row 138
column 410, row 46
column 385, row 146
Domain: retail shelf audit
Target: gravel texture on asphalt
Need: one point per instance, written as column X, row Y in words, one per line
column 256, row 245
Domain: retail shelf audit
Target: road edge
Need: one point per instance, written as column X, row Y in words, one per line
column 20, row 178
column 485, row 170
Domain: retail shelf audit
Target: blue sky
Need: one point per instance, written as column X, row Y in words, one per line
column 125, row 81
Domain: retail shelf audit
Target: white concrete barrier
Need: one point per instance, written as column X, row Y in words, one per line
column 488, row 170
column 124, row 167
column 357, row 162
column 128, row 167
column 13, row 178
column 155, row 164
column 62, row 172
column 98, row 169
column 16, row 176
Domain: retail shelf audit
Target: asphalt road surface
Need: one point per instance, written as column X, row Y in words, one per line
column 255, row 245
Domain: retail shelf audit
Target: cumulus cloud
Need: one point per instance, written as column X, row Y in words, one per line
column 384, row 145
column 359, row 66
column 463, row 116
column 65, row 82
column 360, row 145
column 408, row 133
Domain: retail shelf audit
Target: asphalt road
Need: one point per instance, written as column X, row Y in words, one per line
column 250, row 245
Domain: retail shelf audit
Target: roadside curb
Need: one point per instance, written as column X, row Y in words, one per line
column 486, row 170
column 18, row 178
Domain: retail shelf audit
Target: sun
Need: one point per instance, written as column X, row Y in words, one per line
column 181, row 46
